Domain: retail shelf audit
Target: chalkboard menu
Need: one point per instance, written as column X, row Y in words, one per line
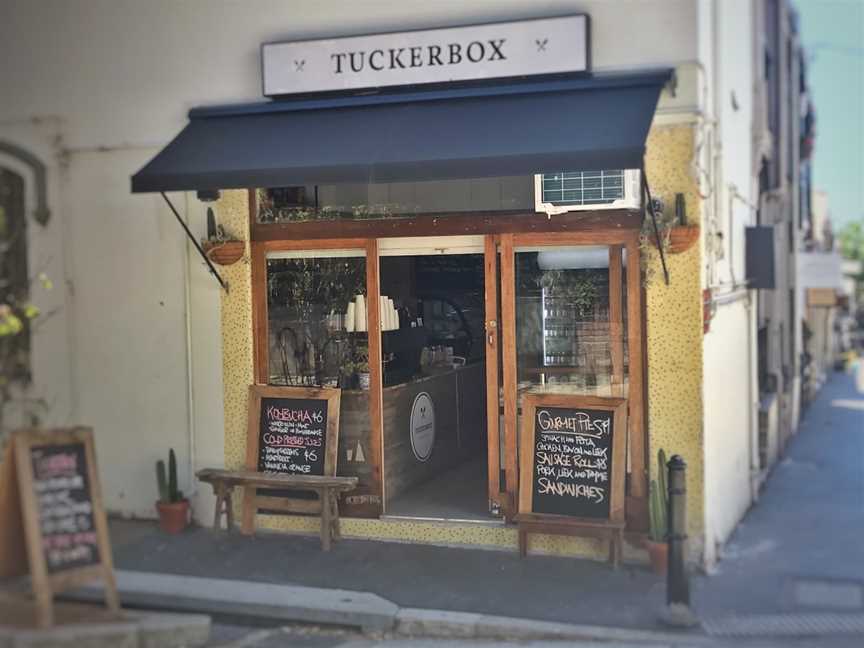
column 572, row 461
column 51, row 509
column 572, row 456
column 293, row 430
column 292, row 436
column 62, row 486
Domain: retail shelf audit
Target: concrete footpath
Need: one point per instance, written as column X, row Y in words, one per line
column 798, row 556
column 92, row 626
column 794, row 568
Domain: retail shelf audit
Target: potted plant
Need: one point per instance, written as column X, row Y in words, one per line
column 658, row 504
column 219, row 246
column 173, row 508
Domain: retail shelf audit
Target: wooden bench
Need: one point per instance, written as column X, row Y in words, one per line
column 613, row 532
column 326, row 506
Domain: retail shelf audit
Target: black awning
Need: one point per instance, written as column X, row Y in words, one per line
column 527, row 127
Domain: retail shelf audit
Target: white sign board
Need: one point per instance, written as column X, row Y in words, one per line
column 509, row 49
column 422, row 426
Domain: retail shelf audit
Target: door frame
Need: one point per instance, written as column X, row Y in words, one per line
column 618, row 241
column 619, row 232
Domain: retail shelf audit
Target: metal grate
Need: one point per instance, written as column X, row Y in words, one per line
column 583, row 187
column 785, row 625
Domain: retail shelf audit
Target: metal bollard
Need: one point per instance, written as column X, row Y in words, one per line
column 677, row 582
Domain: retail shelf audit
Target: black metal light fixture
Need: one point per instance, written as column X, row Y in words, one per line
column 680, row 209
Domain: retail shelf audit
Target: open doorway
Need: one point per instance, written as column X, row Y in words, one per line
column 434, row 375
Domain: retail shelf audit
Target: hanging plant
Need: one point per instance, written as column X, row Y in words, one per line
column 648, row 243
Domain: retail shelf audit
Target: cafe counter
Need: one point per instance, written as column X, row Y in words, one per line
column 431, row 424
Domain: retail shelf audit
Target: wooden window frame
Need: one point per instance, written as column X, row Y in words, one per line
column 616, row 228
column 637, row 487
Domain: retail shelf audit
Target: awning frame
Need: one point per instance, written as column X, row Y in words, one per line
column 520, row 127
column 197, row 245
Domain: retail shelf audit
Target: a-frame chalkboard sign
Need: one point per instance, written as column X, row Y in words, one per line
column 572, row 466
column 52, row 521
column 291, row 431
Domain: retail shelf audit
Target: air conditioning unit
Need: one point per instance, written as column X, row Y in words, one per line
column 567, row 191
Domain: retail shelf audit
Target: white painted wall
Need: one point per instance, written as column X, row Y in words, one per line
column 728, row 424
column 729, row 370
column 95, row 88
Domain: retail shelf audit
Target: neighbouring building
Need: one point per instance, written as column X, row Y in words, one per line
column 821, row 292
column 784, row 129
column 504, row 217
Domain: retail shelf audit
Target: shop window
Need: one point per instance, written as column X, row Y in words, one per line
column 553, row 193
column 570, row 322
column 14, row 278
column 394, row 200
column 317, row 321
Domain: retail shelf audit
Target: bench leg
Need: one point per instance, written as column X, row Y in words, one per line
column 616, row 540
column 247, row 526
column 219, row 491
column 337, row 531
column 326, row 527
column 229, row 509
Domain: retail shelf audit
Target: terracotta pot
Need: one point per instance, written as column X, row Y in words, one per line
column 173, row 516
column 659, row 553
column 682, row 238
column 224, row 252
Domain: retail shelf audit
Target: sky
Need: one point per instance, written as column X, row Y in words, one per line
column 833, row 35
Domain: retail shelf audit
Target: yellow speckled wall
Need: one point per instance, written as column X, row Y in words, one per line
column 674, row 371
column 674, row 327
column 232, row 212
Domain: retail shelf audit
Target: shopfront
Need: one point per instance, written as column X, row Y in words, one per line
column 437, row 252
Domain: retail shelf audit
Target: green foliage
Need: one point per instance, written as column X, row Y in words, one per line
column 578, row 288
column 852, row 247
column 162, row 481
column 852, row 241
column 658, row 503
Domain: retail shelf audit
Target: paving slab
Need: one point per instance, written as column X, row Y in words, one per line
column 465, row 625
column 85, row 635
column 134, row 630
column 239, row 599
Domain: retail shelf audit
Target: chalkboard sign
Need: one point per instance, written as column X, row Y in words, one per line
column 293, row 431
column 51, row 509
column 292, row 434
column 572, row 456
column 62, row 485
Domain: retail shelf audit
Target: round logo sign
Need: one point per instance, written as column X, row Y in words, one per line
column 422, row 426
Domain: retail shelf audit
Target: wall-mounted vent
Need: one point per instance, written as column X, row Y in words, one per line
column 556, row 193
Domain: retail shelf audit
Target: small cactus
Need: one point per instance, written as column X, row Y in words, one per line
column 167, row 480
column 173, row 493
column 658, row 502
column 162, row 481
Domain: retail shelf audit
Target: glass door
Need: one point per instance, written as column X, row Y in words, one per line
column 569, row 325
column 434, row 373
